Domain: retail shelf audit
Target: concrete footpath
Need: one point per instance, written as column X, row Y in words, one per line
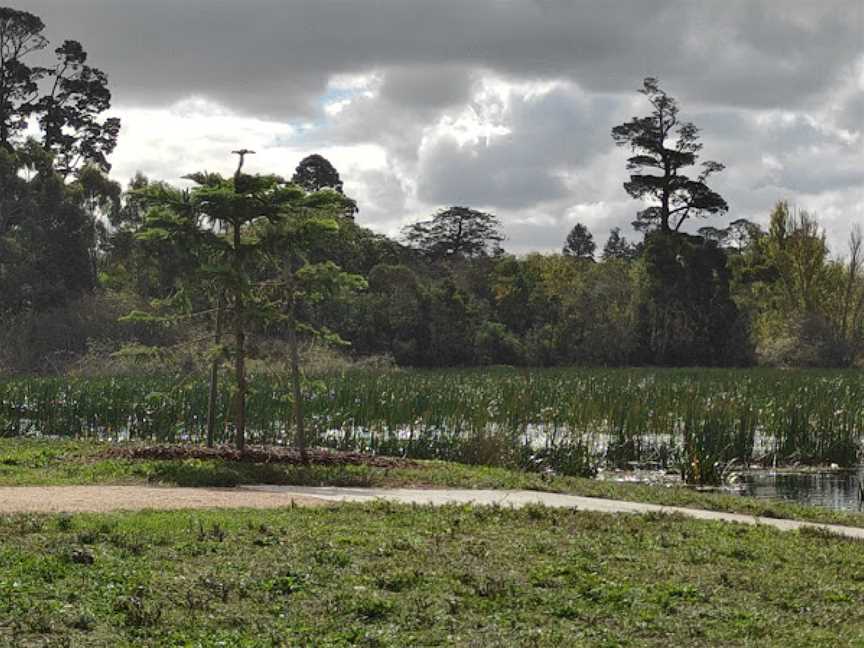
column 54, row 499
column 519, row 498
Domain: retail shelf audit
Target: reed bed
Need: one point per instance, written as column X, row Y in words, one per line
column 569, row 420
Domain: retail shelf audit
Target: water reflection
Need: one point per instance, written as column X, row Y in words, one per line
column 836, row 490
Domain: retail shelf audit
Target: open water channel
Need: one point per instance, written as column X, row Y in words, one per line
column 831, row 489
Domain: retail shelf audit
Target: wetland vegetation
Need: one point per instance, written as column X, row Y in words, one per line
column 696, row 422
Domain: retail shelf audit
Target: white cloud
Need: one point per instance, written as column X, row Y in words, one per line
column 188, row 136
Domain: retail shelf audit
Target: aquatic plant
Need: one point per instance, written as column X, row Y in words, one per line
column 566, row 420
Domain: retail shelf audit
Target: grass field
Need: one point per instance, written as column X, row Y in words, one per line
column 388, row 575
column 400, row 576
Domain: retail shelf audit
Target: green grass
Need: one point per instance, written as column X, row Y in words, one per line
column 43, row 463
column 383, row 575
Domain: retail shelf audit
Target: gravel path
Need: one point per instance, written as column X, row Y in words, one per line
column 54, row 499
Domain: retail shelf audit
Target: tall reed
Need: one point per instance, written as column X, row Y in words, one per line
column 569, row 420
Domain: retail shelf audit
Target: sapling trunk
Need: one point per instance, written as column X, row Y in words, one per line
column 240, row 350
column 298, row 392
column 214, row 373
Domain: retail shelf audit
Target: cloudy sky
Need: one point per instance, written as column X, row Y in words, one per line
column 502, row 105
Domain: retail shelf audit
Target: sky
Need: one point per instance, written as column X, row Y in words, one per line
column 501, row 105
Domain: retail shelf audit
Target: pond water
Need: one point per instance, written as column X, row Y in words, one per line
column 835, row 490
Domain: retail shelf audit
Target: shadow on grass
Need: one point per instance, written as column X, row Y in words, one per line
column 222, row 474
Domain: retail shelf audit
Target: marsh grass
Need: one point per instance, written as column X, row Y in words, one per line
column 565, row 420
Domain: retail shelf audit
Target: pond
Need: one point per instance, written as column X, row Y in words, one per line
column 831, row 489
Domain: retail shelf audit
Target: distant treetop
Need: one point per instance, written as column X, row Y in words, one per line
column 652, row 140
column 580, row 243
column 315, row 172
column 456, row 232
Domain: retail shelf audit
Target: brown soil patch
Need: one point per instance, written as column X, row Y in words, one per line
column 254, row 454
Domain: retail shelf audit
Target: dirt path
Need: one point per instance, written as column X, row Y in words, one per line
column 54, row 499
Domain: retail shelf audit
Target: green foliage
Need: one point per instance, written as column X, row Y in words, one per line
column 807, row 308
column 796, row 248
column 618, row 247
column 494, row 344
column 69, row 114
column 290, row 246
column 686, row 313
column 46, row 237
column 456, row 232
column 234, row 231
column 314, row 173
column 580, row 243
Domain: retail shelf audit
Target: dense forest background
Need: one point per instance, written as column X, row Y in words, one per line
column 93, row 274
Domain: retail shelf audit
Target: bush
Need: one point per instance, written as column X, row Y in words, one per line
column 494, row 344
column 804, row 341
column 56, row 340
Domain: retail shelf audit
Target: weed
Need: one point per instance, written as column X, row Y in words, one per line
column 137, row 610
column 65, row 522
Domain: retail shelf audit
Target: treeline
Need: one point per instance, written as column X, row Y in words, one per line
column 90, row 269
column 735, row 297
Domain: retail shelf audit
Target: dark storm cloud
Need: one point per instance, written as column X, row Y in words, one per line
column 485, row 177
column 809, row 176
column 852, row 113
column 549, row 134
column 275, row 57
column 428, row 87
column 776, row 87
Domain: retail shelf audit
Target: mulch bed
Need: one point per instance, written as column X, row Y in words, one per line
column 255, row 454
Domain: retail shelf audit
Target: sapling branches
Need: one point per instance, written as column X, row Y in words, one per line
column 306, row 281
column 246, row 237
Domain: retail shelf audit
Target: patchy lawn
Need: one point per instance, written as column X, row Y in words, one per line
column 386, row 575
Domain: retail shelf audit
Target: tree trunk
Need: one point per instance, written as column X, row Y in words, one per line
column 214, row 374
column 240, row 350
column 94, row 271
column 298, row 393
column 664, row 202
